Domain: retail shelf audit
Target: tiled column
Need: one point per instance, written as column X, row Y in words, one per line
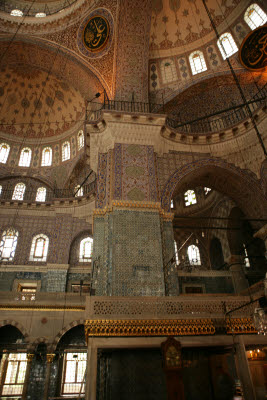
column 49, row 359
column 243, row 369
column 27, row 376
column 238, row 275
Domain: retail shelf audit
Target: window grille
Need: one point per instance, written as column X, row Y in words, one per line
column 80, row 191
column 168, row 71
column 14, row 370
column 39, row 248
column 4, row 152
column 74, row 368
column 25, row 157
column 19, row 191
column 227, row 45
column 190, row 198
column 86, row 247
column 47, row 157
column 80, row 140
column 255, row 16
column 66, row 151
column 40, row 194
column 197, row 62
column 193, row 255
column 8, row 244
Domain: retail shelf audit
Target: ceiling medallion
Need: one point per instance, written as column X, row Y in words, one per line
column 95, row 33
column 253, row 50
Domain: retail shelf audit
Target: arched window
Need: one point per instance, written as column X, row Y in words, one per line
column 8, row 244
column 39, row 248
column 80, row 138
column 40, row 15
column 197, row 62
column 255, row 16
column 86, row 247
column 19, row 190
column 190, row 198
column 4, row 151
column 25, row 157
column 168, row 71
column 47, row 157
column 193, row 255
column 41, row 194
column 227, row 45
column 13, row 368
column 207, row 190
column 246, row 258
column 79, row 192
column 16, row 13
column 176, row 253
column 172, row 204
column 66, row 151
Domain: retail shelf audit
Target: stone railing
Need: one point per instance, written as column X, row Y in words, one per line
column 200, row 306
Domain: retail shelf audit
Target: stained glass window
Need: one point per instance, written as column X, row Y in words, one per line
column 227, row 45
column 47, row 157
column 19, row 191
column 4, row 151
column 197, row 62
column 25, row 157
column 74, row 369
column 86, row 247
column 193, row 255
column 39, row 248
column 14, row 367
column 255, row 16
column 190, row 198
column 80, row 140
column 66, row 151
column 41, row 194
column 8, row 244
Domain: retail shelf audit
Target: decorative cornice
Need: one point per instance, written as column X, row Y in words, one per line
column 133, row 205
column 149, row 327
column 7, row 307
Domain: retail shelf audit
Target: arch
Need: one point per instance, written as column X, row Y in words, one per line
column 75, row 246
column 65, row 330
column 216, row 253
column 226, row 178
column 17, row 325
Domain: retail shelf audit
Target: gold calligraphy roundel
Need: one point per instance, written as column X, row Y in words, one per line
column 96, row 33
column 253, row 50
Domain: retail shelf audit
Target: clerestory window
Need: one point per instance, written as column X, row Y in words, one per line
column 40, row 194
column 25, row 157
column 190, row 198
column 39, row 248
column 193, row 255
column 66, row 151
column 227, row 45
column 16, row 13
column 176, row 253
column 80, row 138
column 4, row 152
column 47, row 157
column 8, row 244
column 255, row 16
column 207, row 190
column 197, row 62
column 19, row 191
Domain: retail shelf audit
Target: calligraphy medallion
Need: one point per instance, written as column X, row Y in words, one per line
column 95, row 33
column 253, row 51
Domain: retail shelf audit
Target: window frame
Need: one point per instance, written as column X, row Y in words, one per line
column 39, row 189
column 4, row 157
column 249, row 11
column 49, row 163
column 64, row 370
column 186, row 199
column 81, row 258
column 194, row 261
column 80, row 140
column 232, row 43
column 25, row 163
column 65, row 156
column 13, row 247
column 5, row 362
column 19, row 196
column 34, row 245
column 200, row 55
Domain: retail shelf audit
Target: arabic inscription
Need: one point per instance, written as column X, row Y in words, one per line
column 253, row 52
column 96, row 33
